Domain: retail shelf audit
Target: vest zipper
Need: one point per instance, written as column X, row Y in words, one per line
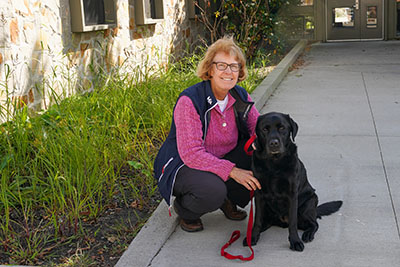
column 205, row 125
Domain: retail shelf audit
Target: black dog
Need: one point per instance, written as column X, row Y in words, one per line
column 286, row 199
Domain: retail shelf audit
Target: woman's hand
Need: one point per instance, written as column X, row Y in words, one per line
column 245, row 178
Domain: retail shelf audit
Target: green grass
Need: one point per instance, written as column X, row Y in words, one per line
column 67, row 165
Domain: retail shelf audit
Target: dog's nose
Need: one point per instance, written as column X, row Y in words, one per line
column 274, row 143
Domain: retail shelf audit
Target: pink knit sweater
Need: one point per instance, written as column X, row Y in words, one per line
column 221, row 136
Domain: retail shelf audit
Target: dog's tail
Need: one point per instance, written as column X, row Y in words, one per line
column 328, row 208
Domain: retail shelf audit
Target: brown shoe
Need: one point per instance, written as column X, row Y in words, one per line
column 191, row 225
column 188, row 225
column 231, row 212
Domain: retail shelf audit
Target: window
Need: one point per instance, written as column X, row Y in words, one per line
column 372, row 19
column 343, row 17
column 299, row 27
column 92, row 15
column 148, row 11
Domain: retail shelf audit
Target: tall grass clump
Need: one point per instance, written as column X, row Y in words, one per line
column 69, row 164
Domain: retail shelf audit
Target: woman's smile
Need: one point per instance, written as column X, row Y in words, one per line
column 223, row 80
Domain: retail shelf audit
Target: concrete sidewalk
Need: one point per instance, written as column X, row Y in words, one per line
column 346, row 100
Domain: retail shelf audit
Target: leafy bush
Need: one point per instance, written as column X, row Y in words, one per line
column 252, row 23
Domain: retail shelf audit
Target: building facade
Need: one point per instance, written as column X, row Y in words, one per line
column 50, row 47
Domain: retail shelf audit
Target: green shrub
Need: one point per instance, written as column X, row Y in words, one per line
column 252, row 23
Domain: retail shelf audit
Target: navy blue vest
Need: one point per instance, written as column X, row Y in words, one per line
column 168, row 161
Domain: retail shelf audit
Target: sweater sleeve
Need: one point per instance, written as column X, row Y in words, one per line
column 190, row 143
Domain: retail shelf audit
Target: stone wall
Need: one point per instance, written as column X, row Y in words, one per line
column 40, row 57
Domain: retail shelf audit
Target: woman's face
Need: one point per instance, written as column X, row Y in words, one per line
column 223, row 80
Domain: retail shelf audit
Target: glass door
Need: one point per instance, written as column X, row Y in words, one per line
column 371, row 12
column 354, row 19
column 342, row 20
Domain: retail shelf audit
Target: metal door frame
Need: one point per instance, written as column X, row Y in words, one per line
column 354, row 40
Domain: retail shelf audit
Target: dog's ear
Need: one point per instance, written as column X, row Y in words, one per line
column 258, row 142
column 294, row 127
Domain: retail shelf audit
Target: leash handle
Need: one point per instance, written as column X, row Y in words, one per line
column 248, row 144
column 236, row 234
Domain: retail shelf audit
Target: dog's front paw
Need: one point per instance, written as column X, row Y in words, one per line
column 296, row 244
column 254, row 240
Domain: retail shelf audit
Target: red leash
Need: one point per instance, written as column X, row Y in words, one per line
column 248, row 144
column 236, row 234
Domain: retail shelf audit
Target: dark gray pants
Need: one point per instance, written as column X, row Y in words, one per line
column 199, row 192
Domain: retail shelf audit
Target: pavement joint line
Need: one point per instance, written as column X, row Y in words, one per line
column 160, row 226
column 381, row 155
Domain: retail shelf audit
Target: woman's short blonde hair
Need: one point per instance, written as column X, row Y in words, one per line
column 228, row 46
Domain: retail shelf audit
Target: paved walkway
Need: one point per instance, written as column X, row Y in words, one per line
column 346, row 100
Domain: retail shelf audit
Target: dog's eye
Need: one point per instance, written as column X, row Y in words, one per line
column 265, row 130
column 282, row 128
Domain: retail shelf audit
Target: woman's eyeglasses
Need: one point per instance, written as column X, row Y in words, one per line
column 235, row 67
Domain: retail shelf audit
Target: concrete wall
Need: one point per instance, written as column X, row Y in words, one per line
column 39, row 55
